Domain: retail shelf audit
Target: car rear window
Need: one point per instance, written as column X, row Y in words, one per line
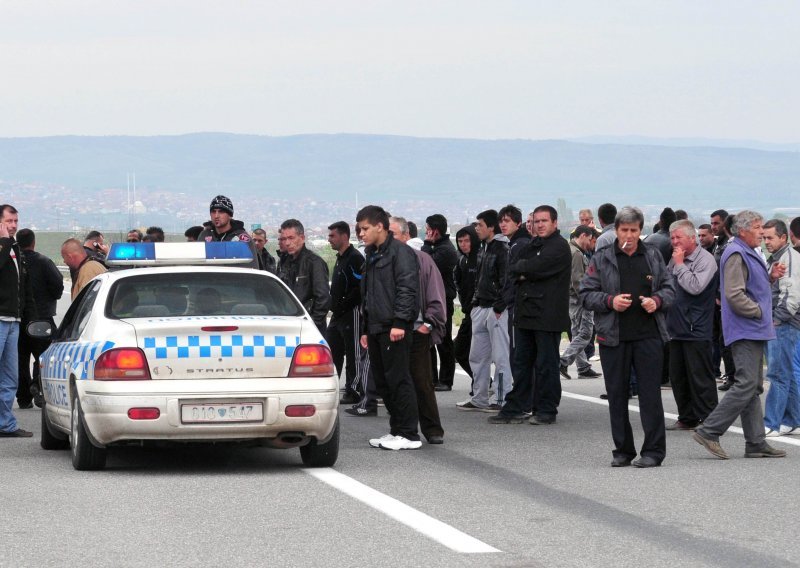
column 200, row 294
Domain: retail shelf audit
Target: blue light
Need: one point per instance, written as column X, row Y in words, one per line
column 228, row 250
column 132, row 251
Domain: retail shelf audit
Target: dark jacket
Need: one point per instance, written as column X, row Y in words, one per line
column 542, row 274
column 433, row 308
column 691, row 317
column 515, row 244
column 492, row 268
column 466, row 272
column 661, row 242
column 16, row 293
column 346, row 282
column 602, row 283
column 46, row 282
column 266, row 261
column 237, row 233
column 390, row 287
column 445, row 257
column 307, row 276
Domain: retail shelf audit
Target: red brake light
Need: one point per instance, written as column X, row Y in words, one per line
column 144, row 413
column 123, row 364
column 312, row 361
column 220, row 328
column 300, row 410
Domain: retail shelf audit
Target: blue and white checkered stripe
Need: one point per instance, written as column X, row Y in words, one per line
column 82, row 356
column 220, row 346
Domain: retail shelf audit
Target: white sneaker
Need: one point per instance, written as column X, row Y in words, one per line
column 790, row 431
column 594, row 358
column 770, row 433
column 376, row 442
column 400, row 443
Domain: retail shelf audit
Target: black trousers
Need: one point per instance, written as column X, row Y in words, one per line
column 428, row 410
column 692, row 376
column 391, row 371
column 537, row 384
column 444, row 374
column 462, row 343
column 645, row 355
column 725, row 351
column 342, row 337
column 26, row 347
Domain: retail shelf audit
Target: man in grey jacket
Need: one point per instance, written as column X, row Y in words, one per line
column 629, row 289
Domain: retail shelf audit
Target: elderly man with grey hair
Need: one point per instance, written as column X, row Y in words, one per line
column 690, row 323
column 629, row 289
column 747, row 327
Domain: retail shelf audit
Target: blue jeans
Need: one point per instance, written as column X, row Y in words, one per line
column 9, row 334
column 783, row 398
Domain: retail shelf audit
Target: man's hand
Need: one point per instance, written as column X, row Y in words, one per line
column 677, row 255
column 621, row 302
column 3, row 231
column 423, row 329
column 396, row 334
column 649, row 304
column 363, row 341
column 778, row 271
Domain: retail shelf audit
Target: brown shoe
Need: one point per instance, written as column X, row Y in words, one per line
column 713, row 447
column 678, row 425
column 766, row 452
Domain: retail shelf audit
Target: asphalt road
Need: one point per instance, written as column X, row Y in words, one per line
column 540, row 495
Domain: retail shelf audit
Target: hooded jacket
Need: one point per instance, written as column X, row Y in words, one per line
column 492, row 269
column 466, row 271
column 515, row 244
column 445, row 256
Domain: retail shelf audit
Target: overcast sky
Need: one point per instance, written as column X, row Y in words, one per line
column 491, row 69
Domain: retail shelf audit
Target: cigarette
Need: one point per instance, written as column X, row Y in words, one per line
column 625, row 244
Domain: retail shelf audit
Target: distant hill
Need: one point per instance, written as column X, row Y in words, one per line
column 382, row 168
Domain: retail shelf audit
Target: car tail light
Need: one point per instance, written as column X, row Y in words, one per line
column 143, row 413
column 312, row 361
column 220, row 328
column 300, row 410
column 123, row 364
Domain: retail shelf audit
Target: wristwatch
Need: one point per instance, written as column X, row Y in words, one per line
column 429, row 326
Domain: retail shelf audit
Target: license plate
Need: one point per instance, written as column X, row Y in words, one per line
column 212, row 412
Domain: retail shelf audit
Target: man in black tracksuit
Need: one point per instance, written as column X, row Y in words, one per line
column 465, row 275
column 518, row 236
column 344, row 329
column 305, row 273
column 438, row 245
column 390, row 306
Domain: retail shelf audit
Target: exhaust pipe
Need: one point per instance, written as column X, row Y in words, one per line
column 291, row 439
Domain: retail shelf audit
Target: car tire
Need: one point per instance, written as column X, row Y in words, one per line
column 85, row 455
column 50, row 441
column 322, row 455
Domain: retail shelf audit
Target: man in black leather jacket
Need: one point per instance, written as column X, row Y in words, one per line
column 223, row 227
column 305, row 273
column 390, row 306
column 465, row 275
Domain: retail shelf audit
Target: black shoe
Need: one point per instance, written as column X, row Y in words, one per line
column 506, row 419
column 564, row 372
column 436, row 440
column 349, row 398
column 646, row 461
column 589, row 374
column 441, row 387
column 539, row 420
column 18, row 433
column 25, row 405
column 38, row 400
column 356, row 411
column 604, row 396
column 725, row 385
column 620, row 461
column 678, row 425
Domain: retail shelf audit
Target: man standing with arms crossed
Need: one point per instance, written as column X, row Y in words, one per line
column 746, row 326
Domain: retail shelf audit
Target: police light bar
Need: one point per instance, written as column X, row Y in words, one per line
column 170, row 254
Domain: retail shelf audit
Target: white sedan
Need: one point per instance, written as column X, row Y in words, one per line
column 193, row 353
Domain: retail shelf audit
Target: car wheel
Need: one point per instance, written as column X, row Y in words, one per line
column 322, row 455
column 49, row 440
column 85, row 455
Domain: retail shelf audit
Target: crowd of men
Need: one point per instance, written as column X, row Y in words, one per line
column 685, row 306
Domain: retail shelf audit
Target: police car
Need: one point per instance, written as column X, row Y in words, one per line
column 186, row 351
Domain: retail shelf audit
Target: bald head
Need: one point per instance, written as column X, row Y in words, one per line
column 73, row 253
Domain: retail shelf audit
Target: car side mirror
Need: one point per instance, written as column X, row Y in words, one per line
column 40, row 329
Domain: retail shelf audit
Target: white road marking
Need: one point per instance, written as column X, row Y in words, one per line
column 791, row 440
column 426, row 525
